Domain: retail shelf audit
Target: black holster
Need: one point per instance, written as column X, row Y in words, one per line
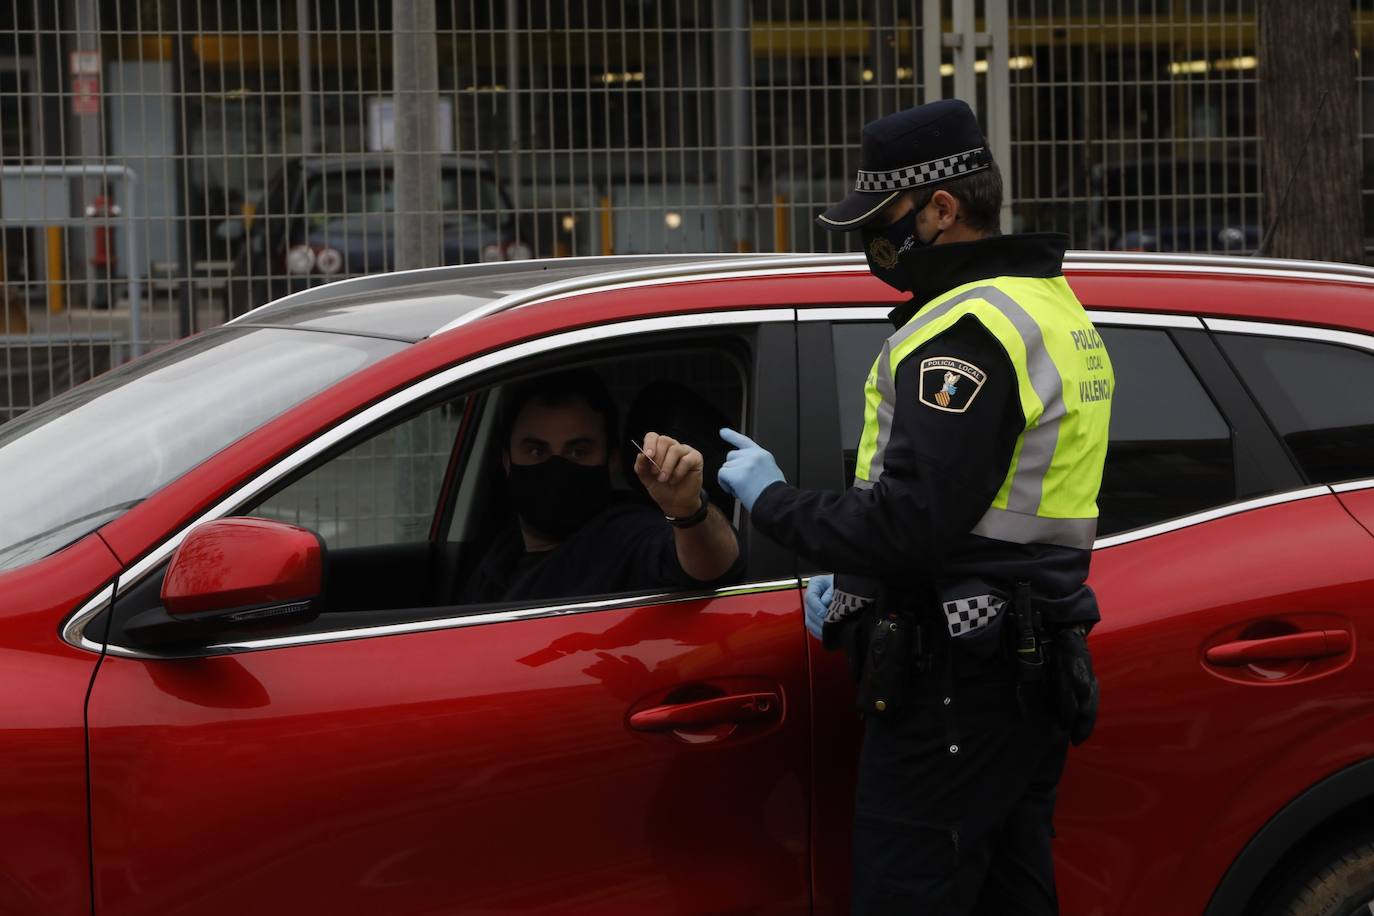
column 1028, row 636
column 893, row 652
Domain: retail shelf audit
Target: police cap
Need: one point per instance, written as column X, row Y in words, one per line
column 917, row 148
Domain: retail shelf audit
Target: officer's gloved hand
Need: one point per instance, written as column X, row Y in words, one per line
column 748, row 469
column 820, row 591
column 1076, row 684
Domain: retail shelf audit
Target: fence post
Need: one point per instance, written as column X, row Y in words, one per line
column 415, row 82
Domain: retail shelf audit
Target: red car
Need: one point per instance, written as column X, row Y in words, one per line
column 298, row 716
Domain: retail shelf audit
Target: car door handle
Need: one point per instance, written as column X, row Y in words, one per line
column 1308, row 644
column 740, row 707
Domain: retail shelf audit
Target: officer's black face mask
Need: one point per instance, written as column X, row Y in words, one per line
column 889, row 250
column 556, row 497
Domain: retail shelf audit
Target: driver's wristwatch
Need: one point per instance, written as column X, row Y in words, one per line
column 696, row 518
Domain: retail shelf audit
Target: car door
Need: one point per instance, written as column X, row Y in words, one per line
column 643, row 752
column 1209, row 538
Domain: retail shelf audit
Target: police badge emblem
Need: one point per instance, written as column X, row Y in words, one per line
column 883, row 252
column 950, row 384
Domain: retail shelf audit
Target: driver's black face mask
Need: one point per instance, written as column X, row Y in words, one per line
column 889, row 249
column 556, row 497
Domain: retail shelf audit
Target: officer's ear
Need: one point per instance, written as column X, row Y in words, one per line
column 944, row 209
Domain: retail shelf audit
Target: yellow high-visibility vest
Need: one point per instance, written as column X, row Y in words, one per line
column 1065, row 381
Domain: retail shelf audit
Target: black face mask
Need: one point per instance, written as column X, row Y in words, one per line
column 556, row 497
column 889, row 251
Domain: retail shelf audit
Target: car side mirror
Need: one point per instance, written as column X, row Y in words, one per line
column 234, row 573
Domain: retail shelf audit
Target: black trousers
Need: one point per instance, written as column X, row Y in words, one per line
column 955, row 801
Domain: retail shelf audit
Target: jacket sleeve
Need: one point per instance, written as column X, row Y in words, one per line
column 941, row 470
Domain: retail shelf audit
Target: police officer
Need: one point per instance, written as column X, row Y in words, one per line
column 962, row 548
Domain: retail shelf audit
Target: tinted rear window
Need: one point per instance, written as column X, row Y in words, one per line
column 1317, row 395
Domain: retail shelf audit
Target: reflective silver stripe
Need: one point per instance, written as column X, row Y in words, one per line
column 861, row 484
column 1040, row 441
column 1019, row 528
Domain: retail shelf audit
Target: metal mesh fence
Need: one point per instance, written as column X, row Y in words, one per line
column 166, row 164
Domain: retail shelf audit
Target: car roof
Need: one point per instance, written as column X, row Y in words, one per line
column 415, row 304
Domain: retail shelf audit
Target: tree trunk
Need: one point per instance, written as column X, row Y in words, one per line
column 1309, row 129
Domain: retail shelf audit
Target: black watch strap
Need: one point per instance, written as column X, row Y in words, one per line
column 696, row 518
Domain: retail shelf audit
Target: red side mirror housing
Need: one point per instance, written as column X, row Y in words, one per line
column 244, row 569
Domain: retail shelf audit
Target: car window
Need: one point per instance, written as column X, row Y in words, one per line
column 385, row 490
column 1317, row 396
column 375, row 503
column 1170, row 451
column 856, row 347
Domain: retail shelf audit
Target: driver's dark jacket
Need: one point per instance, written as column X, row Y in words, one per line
column 628, row 547
column 942, row 470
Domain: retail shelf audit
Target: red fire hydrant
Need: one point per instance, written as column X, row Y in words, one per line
column 104, row 209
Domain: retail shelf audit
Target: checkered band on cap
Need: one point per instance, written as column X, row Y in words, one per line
column 964, row 615
column 922, row 173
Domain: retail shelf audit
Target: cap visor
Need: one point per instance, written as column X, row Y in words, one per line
column 856, row 209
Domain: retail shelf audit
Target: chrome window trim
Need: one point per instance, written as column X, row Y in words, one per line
column 465, row 620
column 1144, row 319
column 1258, row 271
column 74, row 630
column 1097, row 316
column 423, row 388
column 1350, row 486
column 1188, row 521
column 1296, row 331
column 843, row 313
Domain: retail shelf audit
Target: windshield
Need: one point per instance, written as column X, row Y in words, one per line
column 78, row 461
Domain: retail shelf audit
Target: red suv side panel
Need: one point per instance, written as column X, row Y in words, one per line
column 488, row 769
column 1191, row 758
column 45, row 857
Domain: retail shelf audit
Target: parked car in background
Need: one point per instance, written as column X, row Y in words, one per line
column 236, row 675
column 329, row 217
column 1169, row 205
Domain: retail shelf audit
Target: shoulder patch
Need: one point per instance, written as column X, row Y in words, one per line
column 950, row 384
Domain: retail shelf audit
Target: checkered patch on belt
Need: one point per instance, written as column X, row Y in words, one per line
column 965, row 615
column 843, row 604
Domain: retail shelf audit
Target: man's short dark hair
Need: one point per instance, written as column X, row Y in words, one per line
column 557, row 389
column 979, row 196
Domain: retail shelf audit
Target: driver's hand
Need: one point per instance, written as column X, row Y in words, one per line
column 676, row 483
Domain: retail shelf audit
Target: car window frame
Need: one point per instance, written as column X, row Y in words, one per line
column 1270, row 475
column 773, row 413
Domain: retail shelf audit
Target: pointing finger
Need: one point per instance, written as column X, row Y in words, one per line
column 738, row 440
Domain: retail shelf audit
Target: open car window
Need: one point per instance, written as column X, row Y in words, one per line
column 414, row 512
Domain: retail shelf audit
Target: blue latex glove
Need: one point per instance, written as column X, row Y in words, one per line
column 820, row 591
column 748, row 469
